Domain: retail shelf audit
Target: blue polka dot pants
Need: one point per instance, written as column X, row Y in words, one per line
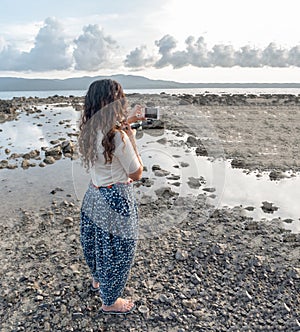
column 109, row 255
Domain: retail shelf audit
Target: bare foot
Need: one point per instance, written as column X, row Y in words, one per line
column 120, row 306
column 95, row 284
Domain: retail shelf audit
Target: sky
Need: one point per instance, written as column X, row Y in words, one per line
column 179, row 40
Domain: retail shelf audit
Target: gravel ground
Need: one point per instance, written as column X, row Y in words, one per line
column 216, row 270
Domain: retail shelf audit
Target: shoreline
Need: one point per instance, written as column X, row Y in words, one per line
column 208, row 269
column 255, row 132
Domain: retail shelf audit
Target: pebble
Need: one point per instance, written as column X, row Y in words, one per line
column 25, row 163
column 181, row 255
column 184, row 164
column 143, row 309
column 195, row 183
column 195, row 279
column 191, row 303
column 12, row 166
column 47, row 326
column 268, row 207
column 49, row 160
column 210, row 190
column 162, row 140
column 248, row 295
column 39, row 298
column 68, row 220
column 161, row 172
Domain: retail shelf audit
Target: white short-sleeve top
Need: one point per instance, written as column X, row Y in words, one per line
column 124, row 162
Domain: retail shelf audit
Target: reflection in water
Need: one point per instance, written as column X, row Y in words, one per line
column 34, row 131
column 32, row 187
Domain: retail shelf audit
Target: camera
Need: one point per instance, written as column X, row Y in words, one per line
column 152, row 113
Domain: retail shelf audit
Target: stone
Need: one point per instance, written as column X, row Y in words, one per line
column 49, row 160
column 201, row 151
column 190, row 303
column 184, row 164
column 181, row 255
column 195, row 279
column 143, row 310
column 12, row 166
column 252, row 225
column 163, row 298
column 54, row 152
column 56, row 141
column 173, row 177
column 210, row 190
column 195, row 183
column 156, row 167
column 238, row 163
column 68, row 221
column 161, row 172
column 165, row 192
column 67, row 147
column 162, row 141
column 268, row 207
column 276, row 175
column 25, row 163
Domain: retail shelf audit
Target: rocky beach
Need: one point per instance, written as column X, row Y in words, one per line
column 200, row 265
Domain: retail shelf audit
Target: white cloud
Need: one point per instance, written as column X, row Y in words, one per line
column 9, row 58
column 197, row 54
column 275, row 57
column 94, row 50
column 222, row 56
column 248, row 56
column 50, row 51
column 294, row 56
column 138, row 58
column 166, row 44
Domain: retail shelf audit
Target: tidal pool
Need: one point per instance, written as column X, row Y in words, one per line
column 168, row 159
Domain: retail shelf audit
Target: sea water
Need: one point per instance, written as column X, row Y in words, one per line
column 192, row 91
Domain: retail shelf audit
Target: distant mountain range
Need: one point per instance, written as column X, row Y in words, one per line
column 127, row 81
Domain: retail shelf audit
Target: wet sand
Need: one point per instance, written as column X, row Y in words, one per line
column 198, row 267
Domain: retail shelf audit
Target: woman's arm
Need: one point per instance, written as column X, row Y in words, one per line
column 131, row 135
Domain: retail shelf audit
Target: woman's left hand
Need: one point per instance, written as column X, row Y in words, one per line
column 136, row 114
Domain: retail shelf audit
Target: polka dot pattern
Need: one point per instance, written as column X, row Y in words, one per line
column 108, row 234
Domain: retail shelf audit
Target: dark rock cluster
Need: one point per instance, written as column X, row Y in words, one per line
column 210, row 99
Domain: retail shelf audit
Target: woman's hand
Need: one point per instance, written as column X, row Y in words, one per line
column 136, row 114
column 128, row 130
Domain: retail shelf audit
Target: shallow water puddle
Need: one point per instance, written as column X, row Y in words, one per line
column 35, row 130
column 169, row 162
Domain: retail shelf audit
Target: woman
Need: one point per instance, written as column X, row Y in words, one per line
column 109, row 218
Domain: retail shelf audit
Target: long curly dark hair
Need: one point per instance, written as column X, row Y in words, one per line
column 104, row 107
